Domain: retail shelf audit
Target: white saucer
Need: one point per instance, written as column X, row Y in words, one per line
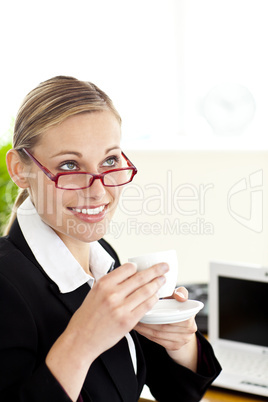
column 168, row 311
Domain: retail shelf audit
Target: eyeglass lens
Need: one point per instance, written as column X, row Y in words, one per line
column 83, row 180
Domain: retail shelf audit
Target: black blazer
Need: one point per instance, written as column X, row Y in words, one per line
column 33, row 314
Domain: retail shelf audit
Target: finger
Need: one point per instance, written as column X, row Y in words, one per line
column 167, row 339
column 139, row 281
column 187, row 326
column 134, row 292
column 139, row 309
column 130, row 291
column 165, row 333
column 121, row 273
column 181, row 294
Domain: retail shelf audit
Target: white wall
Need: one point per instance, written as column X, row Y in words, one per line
column 194, row 70
column 180, row 200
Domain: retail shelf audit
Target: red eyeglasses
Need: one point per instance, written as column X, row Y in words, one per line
column 82, row 180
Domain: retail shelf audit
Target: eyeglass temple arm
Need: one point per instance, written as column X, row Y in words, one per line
column 130, row 164
column 43, row 168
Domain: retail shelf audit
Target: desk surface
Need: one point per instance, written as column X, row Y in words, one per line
column 219, row 395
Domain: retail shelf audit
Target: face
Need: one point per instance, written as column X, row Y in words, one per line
column 89, row 143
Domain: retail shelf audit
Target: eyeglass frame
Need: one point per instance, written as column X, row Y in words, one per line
column 55, row 177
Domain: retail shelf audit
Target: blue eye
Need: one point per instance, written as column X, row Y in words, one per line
column 111, row 161
column 69, row 166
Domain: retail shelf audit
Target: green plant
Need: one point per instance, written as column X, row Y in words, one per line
column 8, row 190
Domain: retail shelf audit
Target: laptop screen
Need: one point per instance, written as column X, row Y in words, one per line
column 243, row 310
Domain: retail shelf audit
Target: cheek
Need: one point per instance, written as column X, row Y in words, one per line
column 114, row 193
column 42, row 190
column 47, row 199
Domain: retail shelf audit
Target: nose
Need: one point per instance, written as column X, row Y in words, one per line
column 96, row 190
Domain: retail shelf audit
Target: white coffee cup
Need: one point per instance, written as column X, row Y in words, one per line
column 170, row 257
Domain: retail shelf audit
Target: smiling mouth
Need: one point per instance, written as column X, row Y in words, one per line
column 89, row 211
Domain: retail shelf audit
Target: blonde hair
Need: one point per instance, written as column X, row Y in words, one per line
column 49, row 104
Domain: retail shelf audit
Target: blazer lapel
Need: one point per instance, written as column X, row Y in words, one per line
column 141, row 365
column 71, row 300
column 17, row 238
column 119, row 365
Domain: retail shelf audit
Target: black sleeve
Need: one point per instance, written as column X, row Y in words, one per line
column 21, row 378
column 180, row 383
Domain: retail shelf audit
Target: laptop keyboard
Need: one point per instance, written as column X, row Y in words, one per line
column 245, row 364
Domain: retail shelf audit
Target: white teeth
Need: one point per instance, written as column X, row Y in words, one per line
column 89, row 211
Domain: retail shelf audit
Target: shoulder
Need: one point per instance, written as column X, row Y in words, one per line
column 16, row 267
column 12, row 260
column 7, row 249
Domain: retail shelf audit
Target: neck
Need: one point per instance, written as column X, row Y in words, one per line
column 79, row 250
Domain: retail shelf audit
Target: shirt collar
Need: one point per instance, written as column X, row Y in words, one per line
column 54, row 257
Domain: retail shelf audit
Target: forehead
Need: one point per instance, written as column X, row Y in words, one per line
column 95, row 129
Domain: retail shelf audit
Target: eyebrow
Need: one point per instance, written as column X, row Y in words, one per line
column 79, row 155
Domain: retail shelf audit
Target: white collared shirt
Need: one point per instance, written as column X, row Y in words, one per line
column 57, row 260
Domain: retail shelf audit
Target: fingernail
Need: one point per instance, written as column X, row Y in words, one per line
column 180, row 294
column 164, row 267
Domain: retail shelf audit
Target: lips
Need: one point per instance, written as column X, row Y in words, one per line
column 90, row 215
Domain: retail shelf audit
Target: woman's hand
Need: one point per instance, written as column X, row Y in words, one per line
column 110, row 310
column 178, row 339
column 115, row 304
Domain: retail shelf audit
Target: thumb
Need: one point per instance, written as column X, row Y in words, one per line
column 181, row 294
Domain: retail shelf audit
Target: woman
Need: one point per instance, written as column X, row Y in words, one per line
column 66, row 328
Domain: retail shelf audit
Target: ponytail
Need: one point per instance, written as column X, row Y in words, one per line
column 23, row 194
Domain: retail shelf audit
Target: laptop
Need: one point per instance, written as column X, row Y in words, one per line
column 238, row 325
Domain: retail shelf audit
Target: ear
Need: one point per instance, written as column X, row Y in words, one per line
column 17, row 169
